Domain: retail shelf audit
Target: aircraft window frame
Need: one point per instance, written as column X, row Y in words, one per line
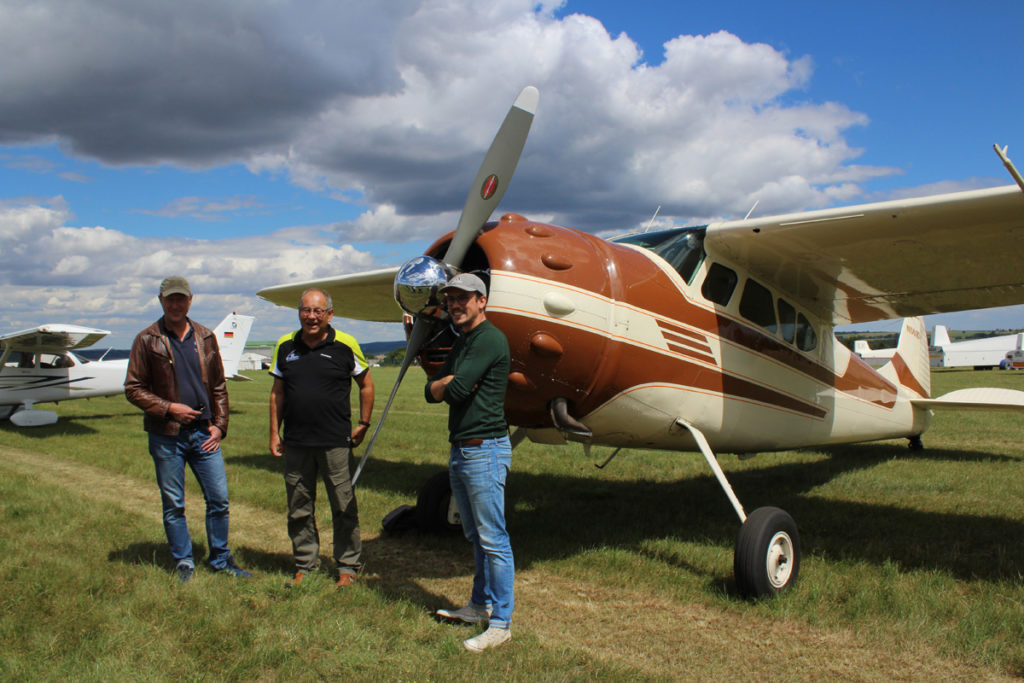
column 682, row 248
column 719, row 284
column 757, row 304
column 787, row 321
column 806, row 337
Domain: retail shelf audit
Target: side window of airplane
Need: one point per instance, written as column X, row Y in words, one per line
column 719, row 284
column 787, row 321
column 758, row 305
column 806, row 339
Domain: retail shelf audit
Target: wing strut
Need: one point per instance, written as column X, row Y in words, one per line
column 1009, row 165
column 709, row 455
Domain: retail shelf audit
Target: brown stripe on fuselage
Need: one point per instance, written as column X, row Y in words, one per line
column 598, row 364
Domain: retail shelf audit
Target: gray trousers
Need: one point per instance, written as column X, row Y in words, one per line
column 302, row 465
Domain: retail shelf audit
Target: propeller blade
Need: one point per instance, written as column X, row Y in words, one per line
column 420, row 329
column 494, row 175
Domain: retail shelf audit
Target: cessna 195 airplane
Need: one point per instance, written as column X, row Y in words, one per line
column 38, row 365
column 717, row 338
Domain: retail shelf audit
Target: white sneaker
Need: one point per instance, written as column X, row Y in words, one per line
column 470, row 614
column 492, row 637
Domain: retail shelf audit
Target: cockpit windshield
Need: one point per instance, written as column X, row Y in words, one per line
column 683, row 248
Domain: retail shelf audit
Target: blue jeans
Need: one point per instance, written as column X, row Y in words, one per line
column 478, row 476
column 170, row 453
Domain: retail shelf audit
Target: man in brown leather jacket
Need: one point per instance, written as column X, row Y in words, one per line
column 176, row 375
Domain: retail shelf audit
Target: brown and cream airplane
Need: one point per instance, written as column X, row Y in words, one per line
column 717, row 338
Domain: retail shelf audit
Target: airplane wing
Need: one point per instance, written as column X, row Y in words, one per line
column 359, row 296
column 886, row 260
column 51, row 338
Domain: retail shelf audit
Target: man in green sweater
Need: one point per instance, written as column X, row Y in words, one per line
column 472, row 382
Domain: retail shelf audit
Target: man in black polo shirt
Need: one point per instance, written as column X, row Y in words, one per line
column 313, row 370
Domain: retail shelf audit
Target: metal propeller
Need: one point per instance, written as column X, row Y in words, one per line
column 419, row 280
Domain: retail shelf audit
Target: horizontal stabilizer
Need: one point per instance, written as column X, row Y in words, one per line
column 980, row 398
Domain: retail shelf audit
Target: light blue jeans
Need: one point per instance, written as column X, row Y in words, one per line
column 170, row 453
column 478, row 476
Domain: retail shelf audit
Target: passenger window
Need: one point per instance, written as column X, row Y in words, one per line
column 758, row 305
column 806, row 339
column 719, row 284
column 787, row 321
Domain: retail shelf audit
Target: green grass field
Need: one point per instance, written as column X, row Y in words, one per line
column 913, row 565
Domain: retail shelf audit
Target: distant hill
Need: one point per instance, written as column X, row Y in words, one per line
column 369, row 348
column 381, row 348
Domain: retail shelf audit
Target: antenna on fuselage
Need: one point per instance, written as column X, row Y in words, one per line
column 751, row 209
column 1009, row 164
column 652, row 218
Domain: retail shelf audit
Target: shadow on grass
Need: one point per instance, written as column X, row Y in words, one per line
column 559, row 516
column 65, row 426
column 158, row 554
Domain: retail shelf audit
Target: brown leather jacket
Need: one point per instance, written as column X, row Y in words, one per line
column 152, row 385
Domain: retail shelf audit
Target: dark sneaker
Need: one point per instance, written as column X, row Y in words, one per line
column 470, row 614
column 234, row 570
column 295, row 580
column 184, row 572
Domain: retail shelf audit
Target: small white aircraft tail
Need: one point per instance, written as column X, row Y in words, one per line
column 232, row 333
column 910, row 366
column 940, row 337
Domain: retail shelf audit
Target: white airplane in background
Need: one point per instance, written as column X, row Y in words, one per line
column 980, row 354
column 873, row 357
column 717, row 338
column 38, row 366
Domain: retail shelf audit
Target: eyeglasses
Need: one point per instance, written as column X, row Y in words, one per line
column 458, row 298
column 317, row 312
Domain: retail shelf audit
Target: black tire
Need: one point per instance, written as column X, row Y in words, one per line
column 435, row 508
column 767, row 559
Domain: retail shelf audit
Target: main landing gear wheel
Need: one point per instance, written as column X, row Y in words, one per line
column 435, row 507
column 767, row 559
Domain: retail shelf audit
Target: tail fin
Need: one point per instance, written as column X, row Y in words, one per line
column 860, row 347
column 232, row 333
column 940, row 337
column 910, row 364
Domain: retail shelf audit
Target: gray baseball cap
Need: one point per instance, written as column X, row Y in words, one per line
column 175, row 284
column 467, row 282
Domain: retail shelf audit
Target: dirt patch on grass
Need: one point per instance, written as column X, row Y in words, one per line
column 626, row 626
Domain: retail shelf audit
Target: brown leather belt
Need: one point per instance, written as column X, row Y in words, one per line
column 467, row 442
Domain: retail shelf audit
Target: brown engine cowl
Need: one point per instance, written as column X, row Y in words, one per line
column 550, row 359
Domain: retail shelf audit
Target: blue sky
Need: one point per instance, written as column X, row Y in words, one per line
column 246, row 145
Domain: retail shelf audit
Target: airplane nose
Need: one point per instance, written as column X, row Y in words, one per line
column 417, row 284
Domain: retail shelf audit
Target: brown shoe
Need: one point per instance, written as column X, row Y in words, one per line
column 345, row 580
column 296, row 580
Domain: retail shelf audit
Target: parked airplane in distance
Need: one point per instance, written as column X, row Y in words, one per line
column 876, row 358
column 716, row 338
column 39, row 365
column 981, row 354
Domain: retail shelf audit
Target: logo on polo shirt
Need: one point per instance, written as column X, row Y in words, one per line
column 292, row 357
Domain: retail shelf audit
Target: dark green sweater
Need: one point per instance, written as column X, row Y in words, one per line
column 479, row 362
